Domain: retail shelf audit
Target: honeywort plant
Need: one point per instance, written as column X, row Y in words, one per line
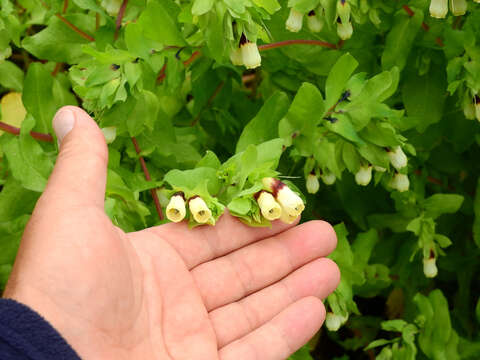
column 362, row 112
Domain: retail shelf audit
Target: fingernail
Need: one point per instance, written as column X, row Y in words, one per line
column 63, row 123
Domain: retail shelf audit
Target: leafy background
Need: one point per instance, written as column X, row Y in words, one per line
column 157, row 77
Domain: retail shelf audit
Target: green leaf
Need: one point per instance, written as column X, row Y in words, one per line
column 144, row 113
column 27, row 160
column 58, row 42
column 264, row 126
column 338, row 78
column 11, row 76
column 270, row 5
column 189, row 179
column 38, row 97
column 201, row 7
column 439, row 204
column 344, row 127
column 476, row 222
column 159, row 23
column 400, row 39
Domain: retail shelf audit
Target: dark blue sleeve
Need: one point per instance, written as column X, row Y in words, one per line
column 24, row 334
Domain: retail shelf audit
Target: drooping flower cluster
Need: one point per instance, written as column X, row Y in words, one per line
column 176, row 209
column 279, row 201
column 439, row 8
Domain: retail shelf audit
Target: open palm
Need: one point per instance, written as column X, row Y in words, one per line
column 168, row 292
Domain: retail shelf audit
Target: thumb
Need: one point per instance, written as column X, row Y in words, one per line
column 80, row 173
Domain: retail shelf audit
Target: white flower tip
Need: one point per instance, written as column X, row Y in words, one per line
column 314, row 23
column 110, row 133
column 438, row 8
column 236, row 57
column 270, row 209
column 334, row 322
column 329, row 178
column 430, row 267
column 270, row 183
column 344, row 31
column 400, row 182
column 398, row 158
column 459, row 7
column 294, row 21
column 199, row 209
column 176, row 208
column 250, row 55
column 291, row 203
column 287, row 219
column 313, row 185
column 364, row 175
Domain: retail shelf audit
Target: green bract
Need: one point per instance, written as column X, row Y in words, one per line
column 378, row 99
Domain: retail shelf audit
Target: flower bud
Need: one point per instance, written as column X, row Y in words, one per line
column 314, row 23
column 199, row 209
column 312, row 183
column 250, row 55
column 294, row 21
column 343, row 11
column 334, row 322
column 287, row 219
column 270, row 209
column 438, row 8
column 236, row 57
column 458, row 7
column 430, row 267
column 400, row 182
column 291, row 203
column 344, row 30
column 379, row 169
column 364, row 175
column 398, row 158
column 477, row 107
column 110, row 133
column 176, row 208
column 328, row 178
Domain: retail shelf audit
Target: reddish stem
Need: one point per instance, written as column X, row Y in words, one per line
column 296, row 42
column 118, row 21
column 65, row 6
column 162, row 74
column 210, row 100
column 58, row 67
column 148, row 177
column 76, row 29
column 16, row 131
column 425, row 26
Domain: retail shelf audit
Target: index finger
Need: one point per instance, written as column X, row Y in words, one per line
column 205, row 243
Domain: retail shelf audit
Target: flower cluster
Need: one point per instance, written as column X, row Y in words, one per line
column 279, row 201
column 439, row 8
column 176, row 209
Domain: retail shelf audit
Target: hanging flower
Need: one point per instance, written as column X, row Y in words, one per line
column 438, row 8
column 294, row 21
column 270, row 209
column 250, row 55
column 176, row 208
column 236, row 57
column 312, row 183
column 110, row 133
column 430, row 267
column 458, row 7
column 344, row 30
column 314, row 23
column 291, row 203
column 397, row 158
column 334, row 322
column 287, row 219
column 364, row 175
column 328, row 178
column 400, row 182
column 199, row 209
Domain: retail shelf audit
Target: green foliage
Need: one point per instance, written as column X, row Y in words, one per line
column 387, row 119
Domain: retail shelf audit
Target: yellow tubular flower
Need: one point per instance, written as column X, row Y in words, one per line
column 199, row 209
column 250, row 55
column 295, row 21
column 270, row 209
column 344, row 31
column 313, row 184
column 236, row 57
column 287, row 219
column 364, row 175
column 430, row 267
column 438, row 8
column 400, row 182
column 291, row 203
column 314, row 23
column 398, row 158
column 176, row 208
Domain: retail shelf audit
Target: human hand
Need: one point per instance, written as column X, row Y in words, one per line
column 168, row 292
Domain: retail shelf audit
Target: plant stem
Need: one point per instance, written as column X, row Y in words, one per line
column 76, row 29
column 118, row 21
column 148, row 177
column 425, row 26
column 65, row 6
column 16, row 131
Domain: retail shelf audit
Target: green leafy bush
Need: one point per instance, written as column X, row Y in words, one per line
column 369, row 108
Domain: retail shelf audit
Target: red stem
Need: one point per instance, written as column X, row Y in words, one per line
column 58, row 67
column 76, row 29
column 118, row 22
column 425, row 26
column 16, row 131
column 210, row 100
column 148, row 177
column 65, row 6
column 296, row 42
